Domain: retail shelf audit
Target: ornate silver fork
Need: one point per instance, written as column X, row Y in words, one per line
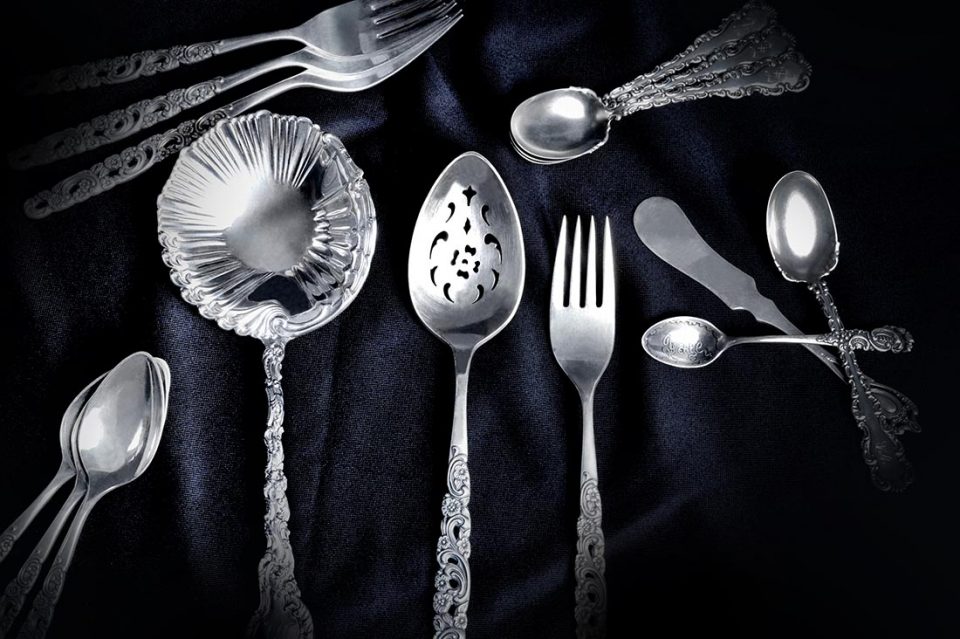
column 352, row 28
column 581, row 334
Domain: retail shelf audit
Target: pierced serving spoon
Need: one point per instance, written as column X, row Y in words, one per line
column 466, row 273
column 749, row 53
column 691, row 342
column 803, row 241
column 117, row 435
column 265, row 208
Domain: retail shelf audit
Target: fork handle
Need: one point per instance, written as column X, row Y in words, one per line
column 20, row 586
column 589, row 566
column 10, row 536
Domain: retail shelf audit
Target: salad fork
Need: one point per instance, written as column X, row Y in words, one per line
column 353, row 28
column 581, row 335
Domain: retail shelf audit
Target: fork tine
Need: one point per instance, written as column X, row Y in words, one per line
column 591, row 296
column 380, row 12
column 400, row 23
column 609, row 276
column 575, row 298
column 559, row 267
column 413, row 36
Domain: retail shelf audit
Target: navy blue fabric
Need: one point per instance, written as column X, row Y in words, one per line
column 735, row 497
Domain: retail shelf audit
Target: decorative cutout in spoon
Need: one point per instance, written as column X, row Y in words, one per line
column 691, row 342
column 749, row 53
column 803, row 240
column 266, row 207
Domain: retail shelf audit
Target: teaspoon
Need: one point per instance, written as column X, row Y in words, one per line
column 691, row 342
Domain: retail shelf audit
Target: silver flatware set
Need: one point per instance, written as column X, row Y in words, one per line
column 268, row 228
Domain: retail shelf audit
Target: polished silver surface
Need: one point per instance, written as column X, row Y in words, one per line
column 269, row 229
column 466, row 274
column 692, row 342
column 582, row 330
column 803, row 241
column 749, row 53
column 114, row 440
column 664, row 228
column 357, row 28
column 349, row 75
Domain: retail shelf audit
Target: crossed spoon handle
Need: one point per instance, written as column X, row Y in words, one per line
column 10, row 536
column 891, row 339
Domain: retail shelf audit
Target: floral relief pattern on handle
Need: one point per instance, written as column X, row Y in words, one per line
column 902, row 414
column 591, row 590
column 119, row 69
column 887, row 339
column 121, row 167
column 453, row 553
column 280, row 598
column 114, row 126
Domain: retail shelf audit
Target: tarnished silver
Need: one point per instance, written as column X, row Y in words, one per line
column 749, row 53
column 692, row 342
column 264, row 207
column 582, row 330
column 466, row 274
column 115, row 437
column 318, row 72
column 354, row 28
column 664, row 228
column 803, row 241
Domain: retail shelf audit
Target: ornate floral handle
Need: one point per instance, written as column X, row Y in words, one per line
column 590, row 611
column 761, row 60
column 282, row 612
column 10, row 536
column 120, row 69
column 888, row 339
column 882, row 451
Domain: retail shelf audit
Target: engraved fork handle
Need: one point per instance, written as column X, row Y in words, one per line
column 281, row 612
column 589, row 567
column 452, row 582
column 882, row 451
column 10, row 536
column 137, row 160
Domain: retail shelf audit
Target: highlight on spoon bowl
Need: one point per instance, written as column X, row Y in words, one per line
column 801, row 231
column 683, row 342
column 560, row 125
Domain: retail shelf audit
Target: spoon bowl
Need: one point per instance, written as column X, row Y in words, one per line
column 801, row 230
column 684, row 342
column 560, row 125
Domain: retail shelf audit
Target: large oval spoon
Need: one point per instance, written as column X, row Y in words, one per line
column 466, row 273
column 803, row 240
column 691, row 342
column 749, row 53
column 116, row 438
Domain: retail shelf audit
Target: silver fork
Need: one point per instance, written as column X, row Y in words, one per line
column 136, row 160
column 352, row 28
column 581, row 334
column 330, row 73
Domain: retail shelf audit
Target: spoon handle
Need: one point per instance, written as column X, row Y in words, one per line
column 10, row 536
column 892, row 339
column 17, row 590
column 882, row 451
column 282, row 612
column 41, row 614
column 453, row 548
column 761, row 59
column 589, row 566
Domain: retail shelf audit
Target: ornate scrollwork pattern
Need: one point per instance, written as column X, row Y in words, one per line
column 117, row 125
column 7, row 539
column 882, row 451
column 119, row 69
column 902, row 414
column 121, row 167
column 591, row 590
column 278, row 585
column 892, row 339
column 453, row 553
column 41, row 614
column 17, row 590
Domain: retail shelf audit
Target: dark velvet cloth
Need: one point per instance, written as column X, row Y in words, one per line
column 735, row 498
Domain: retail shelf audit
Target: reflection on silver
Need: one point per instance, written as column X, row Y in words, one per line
column 265, row 207
column 749, row 53
column 466, row 274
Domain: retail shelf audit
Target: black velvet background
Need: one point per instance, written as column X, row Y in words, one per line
column 735, row 497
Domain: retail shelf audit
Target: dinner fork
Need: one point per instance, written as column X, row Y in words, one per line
column 352, row 28
column 329, row 73
column 136, row 160
column 581, row 335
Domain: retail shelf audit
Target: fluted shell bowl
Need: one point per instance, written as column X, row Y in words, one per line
column 261, row 210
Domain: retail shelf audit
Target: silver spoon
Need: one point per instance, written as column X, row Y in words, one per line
column 691, row 342
column 466, row 273
column 264, row 207
column 116, row 438
column 749, row 53
column 803, row 240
